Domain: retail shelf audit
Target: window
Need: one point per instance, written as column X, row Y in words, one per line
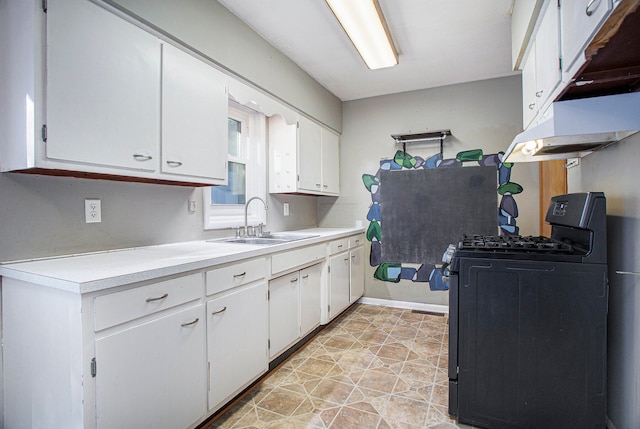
column 246, row 173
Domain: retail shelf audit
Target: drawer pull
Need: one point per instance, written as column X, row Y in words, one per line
column 141, row 157
column 539, row 93
column 158, row 298
column 174, row 163
column 220, row 311
column 184, row 325
column 589, row 10
column 294, row 280
column 339, row 246
column 531, row 106
column 346, row 259
column 235, row 276
column 306, row 276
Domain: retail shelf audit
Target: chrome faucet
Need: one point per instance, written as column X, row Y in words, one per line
column 246, row 207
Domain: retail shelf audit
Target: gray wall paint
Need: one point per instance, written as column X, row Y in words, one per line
column 614, row 171
column 209, row 28
column 485, row 114
column 44, row 216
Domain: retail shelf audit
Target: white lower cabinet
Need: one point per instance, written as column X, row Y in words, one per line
column 338, row 283
column 284, row 313
column 294, row 307
column 356, row 273
column 236, row 341
column 310, row 290
column 152, row 374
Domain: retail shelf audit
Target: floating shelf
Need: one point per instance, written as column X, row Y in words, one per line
column 421, row 137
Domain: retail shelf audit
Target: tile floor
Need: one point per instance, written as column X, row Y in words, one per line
column 374, row 367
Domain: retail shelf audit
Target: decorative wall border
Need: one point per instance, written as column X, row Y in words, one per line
column 396, row 271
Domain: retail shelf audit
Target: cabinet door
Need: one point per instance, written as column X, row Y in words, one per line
column 338, row 283
column 310, row 290
column 529, row 100
column 283, row 168
column 153, row 374
column 194, row 117
column 547, row 49
column 284, row 310
column 579, row 21
column 356, row 271
column 236, row 341
column 330, row 162
column 103, row 80
column 309, row 156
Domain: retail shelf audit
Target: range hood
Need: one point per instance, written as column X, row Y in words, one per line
column 576, row 128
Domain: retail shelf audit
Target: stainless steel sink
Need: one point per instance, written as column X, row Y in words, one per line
column 270, row 239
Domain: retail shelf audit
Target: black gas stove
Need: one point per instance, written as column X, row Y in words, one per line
column 527, row 322
column 578, row 234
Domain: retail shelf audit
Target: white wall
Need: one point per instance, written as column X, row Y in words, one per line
column 614, row 171
column 485, row 114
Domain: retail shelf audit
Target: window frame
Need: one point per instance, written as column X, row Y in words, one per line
column 254, row 136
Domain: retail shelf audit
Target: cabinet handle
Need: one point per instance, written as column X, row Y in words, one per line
column 353, row 256
column 589, row 10
column 346, row 259
column 220, row 311
column 235, row 276
column 539, row 93
column 294, row 280
column 184, row 325
column 531, row 106
column 158, row 298
column 174, row 163
column 305, row 276
column 141, row 157
column 317, row 185
column 325, row 186
column 339, row 246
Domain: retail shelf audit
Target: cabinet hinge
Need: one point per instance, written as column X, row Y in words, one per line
column 94, row 368
column 44, row 6
column 269, row 344
column 44, row 133
column 560, row 63
column 328, row 268
column 329, row 308
column 268, row 295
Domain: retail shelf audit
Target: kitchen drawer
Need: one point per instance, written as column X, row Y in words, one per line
column 294, row 258
column 236, row 274
column 337, row 246
column 356, row 240
column 120, row 307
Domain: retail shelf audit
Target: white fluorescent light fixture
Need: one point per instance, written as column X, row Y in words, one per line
column 363, row 22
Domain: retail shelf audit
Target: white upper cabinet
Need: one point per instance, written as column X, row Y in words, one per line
column 330, row 162
column 103, row 76
column 580, row 19
column 303, row 158
column 541, row 72
column 309, row 156
column 106, row 99
column 194, row 117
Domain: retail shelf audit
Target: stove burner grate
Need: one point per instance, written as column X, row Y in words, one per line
column 518, row 243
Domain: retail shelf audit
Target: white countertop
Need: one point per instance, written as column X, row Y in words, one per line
column 92, row 272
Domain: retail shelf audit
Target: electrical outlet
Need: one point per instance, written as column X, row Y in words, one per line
column 92, row 210
column 192, row 206
column 286, row 209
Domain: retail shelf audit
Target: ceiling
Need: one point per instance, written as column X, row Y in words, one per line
column 439, row 42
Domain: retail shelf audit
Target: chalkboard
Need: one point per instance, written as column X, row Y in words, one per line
column 424, row 210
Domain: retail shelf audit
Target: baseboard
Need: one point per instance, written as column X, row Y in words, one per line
column 433, row 308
